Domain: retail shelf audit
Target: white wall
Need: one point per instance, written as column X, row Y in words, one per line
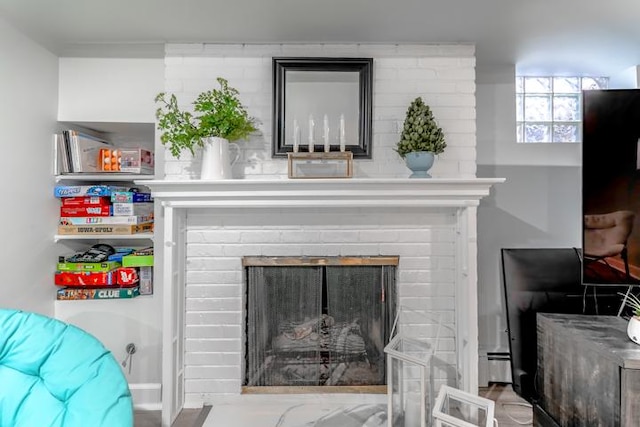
column 109, row 89
column 116, row 95
column 539, row 205
column 29, row 88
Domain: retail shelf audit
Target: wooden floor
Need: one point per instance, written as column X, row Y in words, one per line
column 511, row 409
column 187, row 418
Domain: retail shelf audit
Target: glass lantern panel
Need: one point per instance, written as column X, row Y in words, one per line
column 464, row 411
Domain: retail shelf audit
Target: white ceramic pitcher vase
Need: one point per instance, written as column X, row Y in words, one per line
column 216, row 162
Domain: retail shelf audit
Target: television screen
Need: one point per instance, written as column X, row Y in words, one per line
column 611, row 187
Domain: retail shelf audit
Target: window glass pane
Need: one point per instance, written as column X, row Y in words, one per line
column 537, row 132
column 549, row 109
column 519, row 131
column 566, row 85
column 589, row 83
column 566, row 108
column 565, row 133
column 537, row 84
column 519, row 108
column 537, row 108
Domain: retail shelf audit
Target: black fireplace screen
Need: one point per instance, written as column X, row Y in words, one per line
column 318, row 325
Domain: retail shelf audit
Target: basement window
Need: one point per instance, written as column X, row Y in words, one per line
column 549, row 109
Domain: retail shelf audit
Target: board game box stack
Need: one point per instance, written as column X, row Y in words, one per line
column 104, row 272
column 103, row 210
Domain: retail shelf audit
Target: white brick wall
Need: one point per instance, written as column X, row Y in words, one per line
column 217, row 240
column 444, row 75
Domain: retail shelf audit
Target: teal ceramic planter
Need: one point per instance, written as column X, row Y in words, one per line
column 419, row 162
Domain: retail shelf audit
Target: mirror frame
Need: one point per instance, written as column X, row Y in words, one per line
column 364, row 68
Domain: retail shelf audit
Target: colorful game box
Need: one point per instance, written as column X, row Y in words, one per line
column 87, row 190
column 125, row 209
column 86, row 201
column 85, row 278
column 88, row 266
column 127, row 160
column 136, row 160
column 82, row 294
column 106, row 220
column 130, row 197
column 127, row 276
column 79, row 211
column 103, row 230
column 139, row 258
column 146, row 280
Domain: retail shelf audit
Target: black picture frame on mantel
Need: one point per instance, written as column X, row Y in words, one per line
column 343, row 87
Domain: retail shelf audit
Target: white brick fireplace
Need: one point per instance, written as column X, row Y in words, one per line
column 207, row 227
column 210, row 226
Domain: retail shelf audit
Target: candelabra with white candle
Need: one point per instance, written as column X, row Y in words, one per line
column 342, row 134
column 296, row 136
column 312, row 125
column 325, row 134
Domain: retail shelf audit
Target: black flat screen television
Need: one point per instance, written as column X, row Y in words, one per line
column 544, row 280
column 611, row 187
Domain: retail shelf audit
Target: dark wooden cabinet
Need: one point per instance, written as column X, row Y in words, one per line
column 588, row 370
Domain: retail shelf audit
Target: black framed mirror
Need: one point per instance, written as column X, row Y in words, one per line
column 324, row 100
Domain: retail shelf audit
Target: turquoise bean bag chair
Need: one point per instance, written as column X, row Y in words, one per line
column 56, row 375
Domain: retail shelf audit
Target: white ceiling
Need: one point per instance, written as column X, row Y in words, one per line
column 593, row 36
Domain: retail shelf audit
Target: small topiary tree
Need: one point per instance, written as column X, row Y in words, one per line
column 420, row 131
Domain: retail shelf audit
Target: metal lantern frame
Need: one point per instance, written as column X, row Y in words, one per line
column 470, row 408
column 417, row 355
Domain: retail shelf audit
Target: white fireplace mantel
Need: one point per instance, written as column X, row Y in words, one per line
column 179, row 196
column 363, row 192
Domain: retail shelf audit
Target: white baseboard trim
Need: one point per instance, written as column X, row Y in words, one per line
column 146, row 396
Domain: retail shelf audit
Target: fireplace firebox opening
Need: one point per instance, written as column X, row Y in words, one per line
column 318, row 324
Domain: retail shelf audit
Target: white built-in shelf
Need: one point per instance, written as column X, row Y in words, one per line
column 110, row 176
column 138, row 236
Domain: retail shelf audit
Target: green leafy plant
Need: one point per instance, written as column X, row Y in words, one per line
column 217, row 113
column 420, row 131
column 632, row 302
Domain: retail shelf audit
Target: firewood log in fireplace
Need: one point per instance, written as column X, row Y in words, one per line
column 321, row 334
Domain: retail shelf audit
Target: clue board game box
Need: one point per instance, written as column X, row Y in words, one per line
column 82, row 293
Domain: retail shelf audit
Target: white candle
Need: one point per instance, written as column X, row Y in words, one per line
column 296, row 136
column 312, row 125
column 342, row 135
column 325, row 135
